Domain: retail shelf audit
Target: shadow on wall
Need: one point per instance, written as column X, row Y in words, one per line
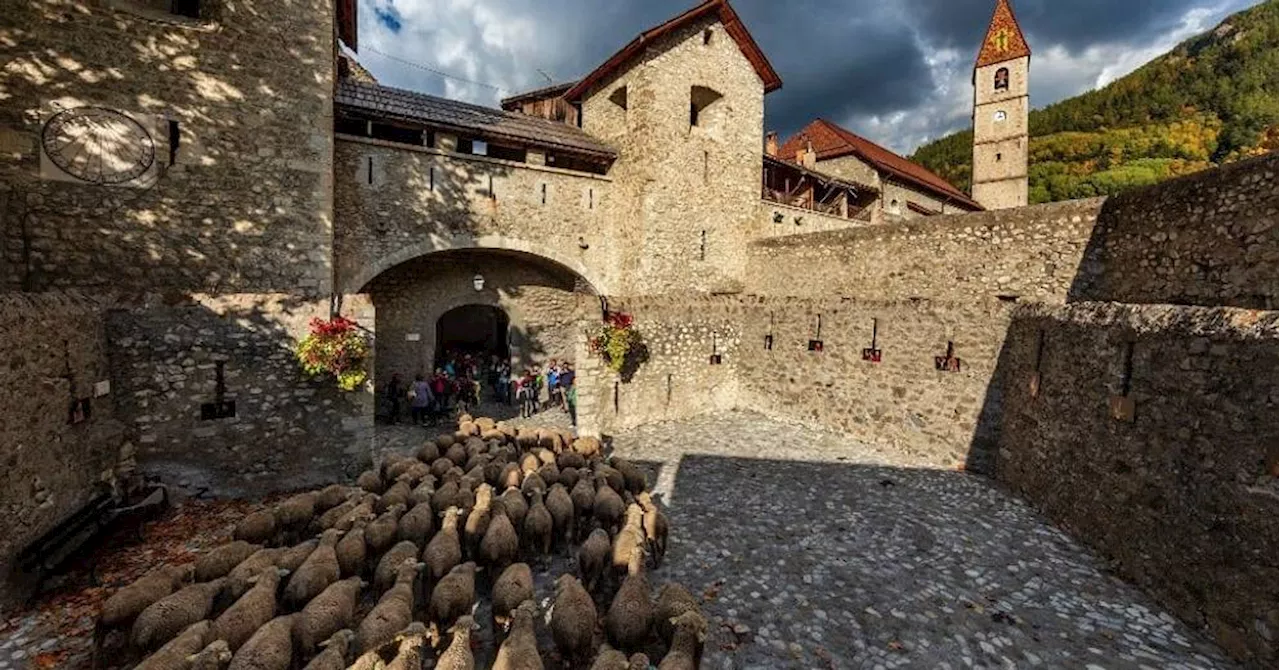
column 890, row 546
column 218, row 402
column 233, row 200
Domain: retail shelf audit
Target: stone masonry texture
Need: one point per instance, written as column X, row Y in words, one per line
column 55, row 351
column 1181, row 499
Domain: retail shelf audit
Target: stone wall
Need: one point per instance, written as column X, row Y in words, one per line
column 902, row 402
column 288, row 432
column 777, row 220
column 54, row 352
column 1030, row 253
column 241, row 202
column 393, row 203
column 685, row 194
column 1181, row 499
column 1205, row 239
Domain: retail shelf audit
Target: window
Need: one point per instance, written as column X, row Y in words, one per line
column 187, row 8
column 999, row 156
column 516, row 154
column 1002, row 79
column 1001, row 115
column 700, row 98
column 706, row 36
column 894, row 208
column 619, row 97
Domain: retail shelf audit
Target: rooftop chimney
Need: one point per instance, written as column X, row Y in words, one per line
column 807, row 157
column 771, row 143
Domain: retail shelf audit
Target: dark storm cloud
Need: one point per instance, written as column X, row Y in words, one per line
column 896, row 70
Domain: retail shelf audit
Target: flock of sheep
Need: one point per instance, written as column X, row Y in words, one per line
column 421, row 537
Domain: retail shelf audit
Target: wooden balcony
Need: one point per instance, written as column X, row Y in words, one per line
column 790, row 184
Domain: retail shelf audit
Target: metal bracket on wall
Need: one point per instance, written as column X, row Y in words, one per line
column 815, row 344
column 1122, row 405
column 1034, row 385
column 872, row 354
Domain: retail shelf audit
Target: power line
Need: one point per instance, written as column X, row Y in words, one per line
column 432, row 70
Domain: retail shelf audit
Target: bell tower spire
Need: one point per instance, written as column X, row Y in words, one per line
column 1000, row 108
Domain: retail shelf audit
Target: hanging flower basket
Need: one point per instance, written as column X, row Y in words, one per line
column 335, row 348
column 617, row 342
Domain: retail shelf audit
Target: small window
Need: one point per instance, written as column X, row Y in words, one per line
column 700, row 98
column 480, row 147
column 894, row 208
column 1002, row 79
column 1001, row 115
column 999, row 156
column 706, row 36
column 619, row 97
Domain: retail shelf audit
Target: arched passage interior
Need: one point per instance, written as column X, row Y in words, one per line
column 475, row 330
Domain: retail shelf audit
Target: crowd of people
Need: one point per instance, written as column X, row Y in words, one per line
column 464, row 380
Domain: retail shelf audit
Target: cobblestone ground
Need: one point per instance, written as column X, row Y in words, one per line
column 813, row 551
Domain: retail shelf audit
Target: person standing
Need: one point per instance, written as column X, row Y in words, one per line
column 567, row 376
column 570, row 397
column 421, row 400
column 395, row 395
column 553, row 384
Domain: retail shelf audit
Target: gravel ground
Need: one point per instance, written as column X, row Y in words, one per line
column 809, row 550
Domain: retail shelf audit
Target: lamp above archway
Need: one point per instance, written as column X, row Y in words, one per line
column 478, row 282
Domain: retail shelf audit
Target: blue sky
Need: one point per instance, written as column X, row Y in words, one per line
column 896, row 71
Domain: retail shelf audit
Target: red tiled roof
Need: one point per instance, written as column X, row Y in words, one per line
column 1004, row 40
column 732, row 24
column 832, row 141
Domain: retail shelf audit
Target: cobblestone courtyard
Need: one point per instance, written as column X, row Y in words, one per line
column 811, row 550
column 818, row 552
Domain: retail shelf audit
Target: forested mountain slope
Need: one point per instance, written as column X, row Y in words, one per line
column 1210, row 100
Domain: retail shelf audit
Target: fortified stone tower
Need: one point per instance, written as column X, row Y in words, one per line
column 1000, row 107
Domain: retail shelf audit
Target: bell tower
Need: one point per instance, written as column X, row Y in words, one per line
column 1000, row 108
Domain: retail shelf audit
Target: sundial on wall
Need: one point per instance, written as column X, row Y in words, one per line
column 98, row 145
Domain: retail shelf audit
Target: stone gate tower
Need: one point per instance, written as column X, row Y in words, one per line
column 1000, row 108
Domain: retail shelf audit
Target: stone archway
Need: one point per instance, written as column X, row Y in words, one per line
column 473, row 329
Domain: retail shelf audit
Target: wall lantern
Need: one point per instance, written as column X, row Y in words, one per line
column 478, row 282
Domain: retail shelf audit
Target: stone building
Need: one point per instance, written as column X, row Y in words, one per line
column 1001, row 106
column 176, row 205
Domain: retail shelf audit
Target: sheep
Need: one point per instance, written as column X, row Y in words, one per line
column 529, row 463
column 398, row 494
column 465, row 498
column 573, row 620
column 514, row 586
column 295, row 513
column 510, row 476
column 331, row 496
column 270, row 648
column 515, row 505
column 411, row 652
column 607, row 507
column 170, row 615
column 428, row 452
column 256, row 528
column 549, row 474
column 384, row 576
column 253, row 609
column 638, row 661
column 570, row 459
column 292, row 557
column 456, row 453
column 440, row 467
column 478, row 520
column 416, row 524
column 215, row 656
column 610, row 659
column 538, row 526
column 500, row 545
column 370, row 481
column 395, row 468
column 416, row 473
column 381, row 532
column 520, row 650
column 629, row 539
column 317, row 572
column 444, row 440
column 330, row 517
column 633, row 477
column 444, row 550
column 127, row 603
column 611, row 475
column 629, row 617
column 393, row 612
column 423, row 491
column 453, row 595
column 362, row 511
column 686, row 645
column 331, row 611
column 445, row 496
column 583, row 495
column 569, row 478
column 458, row 655
column 239, row 579
column 352, row 551
column 593, row 557
column 174, row 654
column 560, row 505
column 656, row 527
column 673, row 600
column 533, row 483
column 334, row 653
column 220, row 561
column 589, row 447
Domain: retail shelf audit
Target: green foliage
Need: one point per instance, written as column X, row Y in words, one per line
column 1213, row 99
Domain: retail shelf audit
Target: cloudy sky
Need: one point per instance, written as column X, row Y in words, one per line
column 897, row 71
